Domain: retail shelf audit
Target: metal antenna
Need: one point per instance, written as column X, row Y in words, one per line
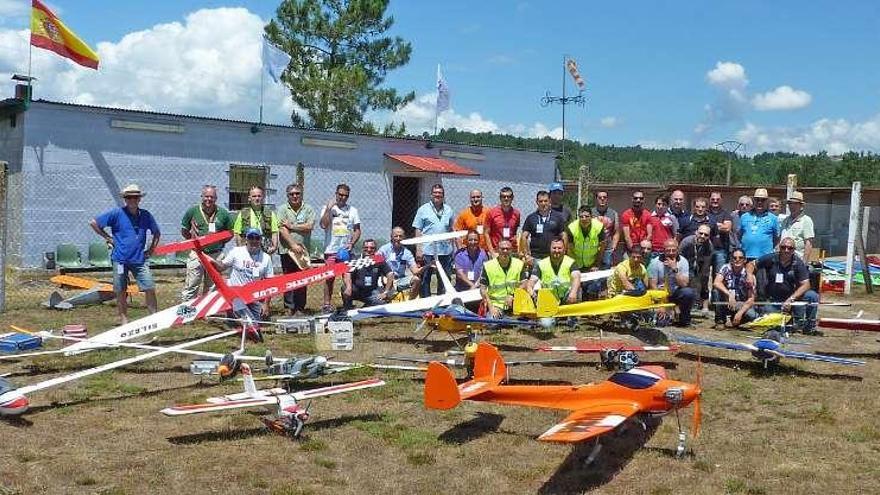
column 729, row 147
column 564, row 100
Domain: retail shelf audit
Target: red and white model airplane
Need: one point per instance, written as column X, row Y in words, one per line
column 289, row 417
column 594, row 408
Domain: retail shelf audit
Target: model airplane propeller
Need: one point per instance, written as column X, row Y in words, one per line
column 289, row 416
column 595, row 409
column 768, row 350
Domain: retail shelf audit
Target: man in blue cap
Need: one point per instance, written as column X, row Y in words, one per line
column 556, row 194
column 249, row 263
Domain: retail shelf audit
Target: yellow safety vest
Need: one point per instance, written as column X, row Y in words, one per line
column 585, row 249
column 501, row 283
column 559, row 282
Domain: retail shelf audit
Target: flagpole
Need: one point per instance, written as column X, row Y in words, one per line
column 262, row 77
column 437, row 103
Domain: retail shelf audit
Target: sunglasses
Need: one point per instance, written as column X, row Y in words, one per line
column 341, row 195
column 702, row 234
column 738, row 258
column 786, row 248
column 635, row 198
column 294, row 193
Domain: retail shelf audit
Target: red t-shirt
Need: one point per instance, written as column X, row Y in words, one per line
column 638, row 225
column 662, row 229
column 501, row 223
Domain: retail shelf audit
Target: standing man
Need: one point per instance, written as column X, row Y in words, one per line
column 296, row 220
column 342, row 229
column 434, row 217
column 587, row 247
column 202, row 219
column 469, row 263
column 677, row 206
column 697, row 250
column 363, row 284
column 699, row 216
column 399, row 259
column 662, row 225
column 256, row 216
column 502, row 221
column 799, row 226
column 249, row 263
column 735, row 287
column 611, row 221
column 670, row 271
column 557, row 192
column 474, row 218
column 721, row 243
column 758, row 229
column 129, row 226
column 501, row 277
column 540, row 227
column 557, row 273
column 743, row 205
column 634, row 222
column 788, row 280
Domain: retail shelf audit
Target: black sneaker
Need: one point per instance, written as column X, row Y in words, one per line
column 813, row 332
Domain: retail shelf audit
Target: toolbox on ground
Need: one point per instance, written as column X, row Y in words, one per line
column 17, row 342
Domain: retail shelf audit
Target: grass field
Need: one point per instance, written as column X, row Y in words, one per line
column 808, row 428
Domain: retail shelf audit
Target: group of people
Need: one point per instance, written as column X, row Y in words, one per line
column 746, row 252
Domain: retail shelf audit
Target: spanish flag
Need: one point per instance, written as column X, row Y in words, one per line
column 49, row 33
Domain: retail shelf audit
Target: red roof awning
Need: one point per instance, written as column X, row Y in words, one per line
column 431, row 164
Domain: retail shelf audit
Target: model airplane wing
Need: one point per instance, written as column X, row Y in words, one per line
column 88, row 283
column 599, row 346
column 220, row 406
column 337, row 389
column 259, row 394
column 590, row 421
column 416, row 305
column 720, row 344
column 818, row 357
column 850, row 324
column 443, row 236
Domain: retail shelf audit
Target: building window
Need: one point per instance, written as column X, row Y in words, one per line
column 241, row 179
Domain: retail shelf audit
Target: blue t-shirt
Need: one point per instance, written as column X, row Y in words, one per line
column 398, row 261
column 431, row 221
column 472, row 267
column 129, row 233
column 756, row 233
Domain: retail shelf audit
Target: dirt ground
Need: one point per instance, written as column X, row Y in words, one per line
column 807, row 428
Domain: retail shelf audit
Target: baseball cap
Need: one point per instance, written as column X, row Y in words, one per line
column 253, row 233
column 556, row 186
column 343, row 255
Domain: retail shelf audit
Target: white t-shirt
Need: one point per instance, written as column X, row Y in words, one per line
column 246, row 267
column 342, row 223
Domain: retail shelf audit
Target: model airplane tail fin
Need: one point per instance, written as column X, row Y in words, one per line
column 489, row 366
column 441, row 390
column 194, row 243
column 523, row 305
column 548, row 305
column 444, row 278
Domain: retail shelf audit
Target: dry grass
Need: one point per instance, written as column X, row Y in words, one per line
column 810, row 428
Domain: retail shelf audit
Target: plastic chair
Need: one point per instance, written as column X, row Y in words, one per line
column 99, row 254
column 68, row 256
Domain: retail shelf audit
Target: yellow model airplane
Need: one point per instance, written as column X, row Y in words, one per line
column 548, row 306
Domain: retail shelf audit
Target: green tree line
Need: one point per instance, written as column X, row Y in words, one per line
column 617, row 164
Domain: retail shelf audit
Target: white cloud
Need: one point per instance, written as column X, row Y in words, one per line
column 730, row 81
column 610, row 122
column 835, row 136
column 207, row 65
column 728, row 75
column 782, row 98
column 540, row 130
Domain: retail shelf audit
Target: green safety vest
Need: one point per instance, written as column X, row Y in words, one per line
column 501, row 283
column 263, row 221
column 559, row 282
column 585, row 249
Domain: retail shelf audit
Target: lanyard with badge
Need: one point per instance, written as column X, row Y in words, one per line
column 539, row 228
column 506, row 230
column 212, row 226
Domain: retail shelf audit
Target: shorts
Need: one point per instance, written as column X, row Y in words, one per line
column 404, row 283
column 141, row 273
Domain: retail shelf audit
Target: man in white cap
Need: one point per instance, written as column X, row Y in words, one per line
column 128, row 226
column 758, row 229
column 799, row 226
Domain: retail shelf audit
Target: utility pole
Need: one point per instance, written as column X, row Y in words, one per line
column 729, row 147
column 4, row 167
column 568, row 65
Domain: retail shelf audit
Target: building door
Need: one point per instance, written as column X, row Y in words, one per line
column 405, row 199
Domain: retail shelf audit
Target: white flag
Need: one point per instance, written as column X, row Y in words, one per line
column 442, row 92
column 275, row 60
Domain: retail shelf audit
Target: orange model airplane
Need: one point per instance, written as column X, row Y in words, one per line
column 595, row 408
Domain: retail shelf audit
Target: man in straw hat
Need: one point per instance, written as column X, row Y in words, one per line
column 758, row 229
column 799, row 226
column 128, row 226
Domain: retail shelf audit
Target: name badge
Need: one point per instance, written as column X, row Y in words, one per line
column 505, row 232
column 539, row 229
column 120, row 268
column 471, row 275
column 480, row 229
column 779, row 278
column 368, row 280
column 255, row 271
column 212, row 227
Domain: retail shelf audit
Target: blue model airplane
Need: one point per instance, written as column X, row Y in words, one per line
column 768, row 350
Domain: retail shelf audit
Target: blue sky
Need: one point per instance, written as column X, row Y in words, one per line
column 783, row 75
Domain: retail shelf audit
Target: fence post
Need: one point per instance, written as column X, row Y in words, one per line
column 854, row 210
column 4, row 166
